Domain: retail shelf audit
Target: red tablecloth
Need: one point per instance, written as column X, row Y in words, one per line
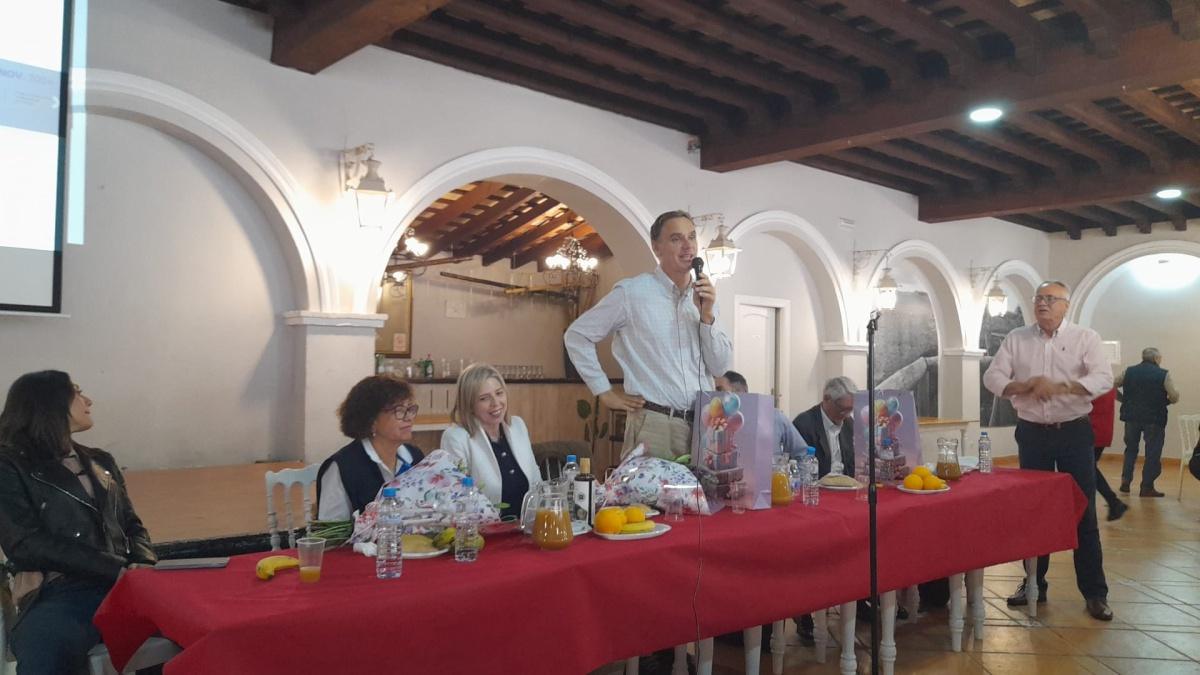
column 521, row 610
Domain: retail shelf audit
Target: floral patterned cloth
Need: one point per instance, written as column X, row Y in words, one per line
column 641, row 479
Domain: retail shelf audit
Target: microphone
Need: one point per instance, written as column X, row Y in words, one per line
column 698, row 267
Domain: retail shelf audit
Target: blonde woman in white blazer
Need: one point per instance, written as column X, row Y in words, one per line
column 494, row 446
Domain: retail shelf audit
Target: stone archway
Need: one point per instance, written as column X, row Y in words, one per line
column 1085, row 294
column 1018, row 279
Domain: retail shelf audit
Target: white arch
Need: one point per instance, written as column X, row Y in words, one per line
column 1021, row 277
column 615, row 213
column 820, row 259
column 1086, row 293
column 195, row 122
column 945, row 285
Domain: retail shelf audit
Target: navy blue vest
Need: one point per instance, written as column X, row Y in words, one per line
column 1144, row 398
column 360, row 476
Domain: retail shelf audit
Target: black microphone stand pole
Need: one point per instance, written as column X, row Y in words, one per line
column 872, row 508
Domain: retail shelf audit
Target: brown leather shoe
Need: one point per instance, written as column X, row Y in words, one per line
column 1150, row 492
column 1099, row 610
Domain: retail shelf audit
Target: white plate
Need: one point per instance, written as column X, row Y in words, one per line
column 839, row 488
column 414, row 555
column 922, row 492
column 659, row 530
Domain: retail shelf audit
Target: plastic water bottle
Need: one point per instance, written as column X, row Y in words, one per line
column 389, row 526
column 811, row 469
column 985, row 453
column 466, row 524
column 569, row 471
column 797, row 475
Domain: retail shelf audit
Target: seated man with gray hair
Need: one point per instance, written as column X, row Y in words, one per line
column 823, row 426
column 790, row 440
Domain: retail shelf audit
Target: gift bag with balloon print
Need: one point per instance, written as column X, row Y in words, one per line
column 897, row 441
column 733, row 447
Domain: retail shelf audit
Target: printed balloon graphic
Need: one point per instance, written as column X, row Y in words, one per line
column 894, row 422
column 734, row 422
column 716, row 408
column 732, row 404
column 893, row 405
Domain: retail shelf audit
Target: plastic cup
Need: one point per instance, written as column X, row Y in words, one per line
column 674, row 497
column 310, row 550
column 737, row 497
column 860, row 492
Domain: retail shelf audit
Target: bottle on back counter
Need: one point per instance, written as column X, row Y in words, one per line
column 389, row 526
column 811, row 471
column 584, row 494
column 985, row 453
column 466, row 523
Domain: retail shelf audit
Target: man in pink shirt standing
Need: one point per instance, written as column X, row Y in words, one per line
column 1051, row 371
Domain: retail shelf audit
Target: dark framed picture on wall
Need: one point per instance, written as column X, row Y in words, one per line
column 395, row 337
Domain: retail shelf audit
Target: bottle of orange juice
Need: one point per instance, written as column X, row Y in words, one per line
column 781, row 483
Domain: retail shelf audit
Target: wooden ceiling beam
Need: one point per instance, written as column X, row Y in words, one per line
column 1031, row 222
column 688, row 51
column 1037, row 125
column 1171, row 209
column 506, row 225
column 1109, row 221
column 1065, row 193
column 842, row 168
column 955, row 149
column 433, row 225
column 1185, row 15
column 962, row 55
column 533, row 30
column 460, row 36
column 481, row 221
column 564, row 220
column 998, row 139
column 595, row 245
column 1110, row 125
column 486, row 65
column 1102, row 22
column 797, row 19
column 1140, row 216
column 1026, row 34
column 1073, row 224
column 1153, row 106
column 864, row 158
column 1148, row 57
column 687, row 16
column 332, row 30
column 977, row 177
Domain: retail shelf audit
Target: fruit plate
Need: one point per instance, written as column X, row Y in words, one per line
column 659, row 530
column 417, row 555
column 922, row 492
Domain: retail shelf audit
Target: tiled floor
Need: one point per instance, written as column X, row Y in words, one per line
column 1152, row 561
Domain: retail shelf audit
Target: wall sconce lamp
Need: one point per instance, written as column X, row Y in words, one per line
column 997, row 301
column 886, row 290
column 360, row 175
column 721, row 255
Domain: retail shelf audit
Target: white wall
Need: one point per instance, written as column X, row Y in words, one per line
column 174, row 305
column 223, row 347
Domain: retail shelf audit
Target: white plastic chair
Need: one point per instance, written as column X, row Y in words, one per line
column 1188, row 434
column 287, row 478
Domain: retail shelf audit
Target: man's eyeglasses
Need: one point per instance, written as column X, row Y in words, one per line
column 406, row 413
column 1047, row 299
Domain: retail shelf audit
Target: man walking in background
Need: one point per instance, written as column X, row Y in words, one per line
column 1051, row 371
column 1146, row 391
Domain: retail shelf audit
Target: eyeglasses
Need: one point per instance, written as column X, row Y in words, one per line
column 405, row 413
column 1047, row 299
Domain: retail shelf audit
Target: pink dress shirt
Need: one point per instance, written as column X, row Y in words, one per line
column 1071, row 354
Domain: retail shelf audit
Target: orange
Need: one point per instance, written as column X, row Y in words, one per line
column 922, row 471
column 610, row 520
column 635, row 514
column 933, row 483
column 913, row 481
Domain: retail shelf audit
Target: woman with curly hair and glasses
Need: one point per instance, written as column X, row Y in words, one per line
column 378, row 415
column 66, row 522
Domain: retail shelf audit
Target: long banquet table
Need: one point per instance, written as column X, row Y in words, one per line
column 522, row 610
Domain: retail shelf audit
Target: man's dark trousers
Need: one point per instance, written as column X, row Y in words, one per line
column 1154, row 434
column 1068, row 448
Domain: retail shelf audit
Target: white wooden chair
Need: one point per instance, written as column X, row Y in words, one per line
column 305, row 478
column 1188, row 436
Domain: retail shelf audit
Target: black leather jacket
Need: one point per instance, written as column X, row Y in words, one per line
column 49, row 524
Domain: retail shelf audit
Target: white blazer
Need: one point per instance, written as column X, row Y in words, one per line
column 476, row 452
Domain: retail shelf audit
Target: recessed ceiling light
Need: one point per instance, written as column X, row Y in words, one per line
column 986, row 114
column 1169, row 193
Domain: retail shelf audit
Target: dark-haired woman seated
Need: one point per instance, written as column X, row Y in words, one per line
column 66, row 522
column 378, row 414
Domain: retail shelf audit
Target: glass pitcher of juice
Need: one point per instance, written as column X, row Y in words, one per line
column 781, row 482
column 948, row 467
column 552, row 522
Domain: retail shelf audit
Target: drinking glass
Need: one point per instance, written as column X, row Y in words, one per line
column 674, row 496
column 310, row 550
column 737, row 496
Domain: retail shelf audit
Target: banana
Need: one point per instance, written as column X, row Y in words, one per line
column 417, row 543
column 445, row 538
column 637, row 528
column 267, row 567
